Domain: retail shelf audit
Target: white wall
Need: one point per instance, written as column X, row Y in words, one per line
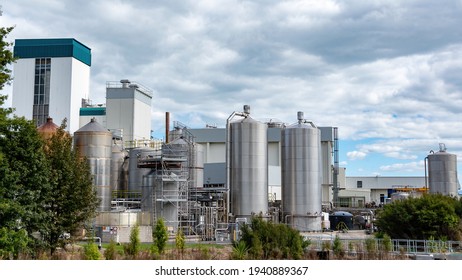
column 23, row 87
column 119, row 113
column 80, row 88
column 60, row 91
column 141, row 121
column 69, row 83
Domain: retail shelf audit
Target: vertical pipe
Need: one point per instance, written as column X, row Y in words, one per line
column 167, row 126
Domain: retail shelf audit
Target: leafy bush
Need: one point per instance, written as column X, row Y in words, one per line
column 266, row 240
column 160, row 235
column 90, row 251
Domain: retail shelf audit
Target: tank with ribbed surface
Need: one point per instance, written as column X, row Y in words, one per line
column 442, row 172
column 248, row 166
column 301, row 175
column 136, row 173
column 118, row 171
column 95, row 143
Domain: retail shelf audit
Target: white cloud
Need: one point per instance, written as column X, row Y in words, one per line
column 385, row 73
column 356, row 155
column 415, row 166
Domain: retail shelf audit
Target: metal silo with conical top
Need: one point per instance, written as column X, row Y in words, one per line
column 95, row 143
column 301, row 175
column 442, row 172
column 248, row 165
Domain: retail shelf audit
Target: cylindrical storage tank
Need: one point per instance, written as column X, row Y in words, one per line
column 196, row 165
column 399, row 196
column 341, row 220
column 442, row 173
column 248, row 167
column 95, row 143
column 48, row 129
column 149, row 183
column 135, row 174
column 117, row 168
column 301, row 176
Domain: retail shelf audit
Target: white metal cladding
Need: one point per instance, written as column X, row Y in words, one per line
column 248, row 168
column 95, row 143
column 442, row 173
column 301, row 176
column 69, row 83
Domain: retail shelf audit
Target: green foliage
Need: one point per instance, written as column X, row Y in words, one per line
column 371, row 248
column 421, row 218
column 239, row 250
column 133, row 247
column 160, row 235
column 337, row 247
column 111, row 251
column 267, row 240
column 180, row 241
column 90, row 251
column 24, row 177
column 73, row 200
column 6, row 57
column 387, row 246
column 12, row 243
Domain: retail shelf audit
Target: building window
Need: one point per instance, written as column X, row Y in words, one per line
column 359, row 184
column 41, row 90
column 382, row 198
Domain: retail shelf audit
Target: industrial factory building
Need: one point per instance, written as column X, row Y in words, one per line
column 51, row 77
column 208, row 181
column 204, row 181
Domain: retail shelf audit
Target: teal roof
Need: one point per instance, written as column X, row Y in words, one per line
column 93, row 111
column 66, row 47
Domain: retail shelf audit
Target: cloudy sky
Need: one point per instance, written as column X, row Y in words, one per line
column 387, row 73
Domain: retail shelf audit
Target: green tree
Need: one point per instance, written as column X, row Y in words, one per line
column 6, row 57
column 111, row 251
column 337, row 247
column 73, row 200
column 24, row 180
column 266, row 240
column 90, row 251
column 432, row 215
column 133, row 247
column 180, row 241
column 160, row 235
column 12, row 243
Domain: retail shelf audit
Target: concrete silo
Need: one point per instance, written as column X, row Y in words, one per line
column 301, row 175
column 247, row 160
column 442, row 172
column 95, row 143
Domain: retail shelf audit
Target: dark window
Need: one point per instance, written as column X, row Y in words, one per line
column 41, row 90
column 359, row 184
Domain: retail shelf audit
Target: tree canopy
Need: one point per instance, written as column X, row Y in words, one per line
column 6, row 57
column 45, row 188
column 267, row 240
column 430, row 216
column 73, row 200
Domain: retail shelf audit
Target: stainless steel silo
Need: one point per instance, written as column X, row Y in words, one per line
column 196, row 165
column 442, row 172
column 135, row 173
column 248, row 166
column 118, row 173
column 301, row 175
column 95, row 143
